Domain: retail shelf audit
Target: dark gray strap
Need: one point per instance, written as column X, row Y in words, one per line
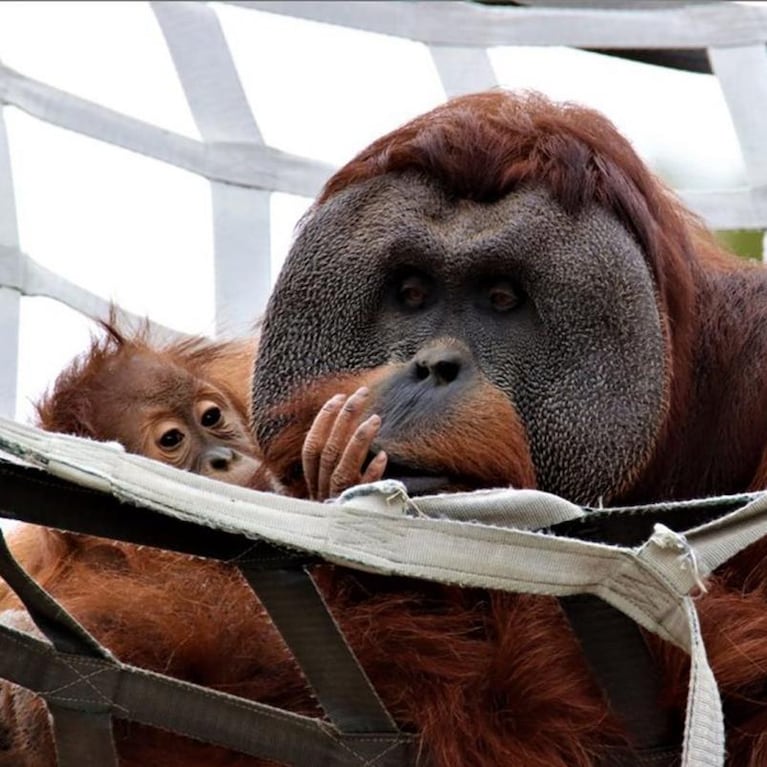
column 83, row 739
column 56, row 623
column 100, row 686
column 617, row 653
column 614, row 645
column 649, row 758
column 77, row 690
column 301, row 615
column 31, row 495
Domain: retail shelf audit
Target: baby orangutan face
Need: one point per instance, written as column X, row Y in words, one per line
column 188, row 437
column 185, row 403
column 168, row 412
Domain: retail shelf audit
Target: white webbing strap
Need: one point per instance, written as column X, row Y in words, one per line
column 522, row 509
column 698, row 552
column 675, row 563
column 259, row 167
column 379, row 528
column 241, row 215
column 704, row 723
column 11, row 264
column 719, row 540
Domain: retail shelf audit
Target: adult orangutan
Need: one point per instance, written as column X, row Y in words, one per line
column 524, row 304
column 529, row 306
column 497, row 293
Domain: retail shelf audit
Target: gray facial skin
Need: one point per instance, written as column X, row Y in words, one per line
column 581, row 356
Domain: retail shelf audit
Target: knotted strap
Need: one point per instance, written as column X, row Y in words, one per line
column 379, row 528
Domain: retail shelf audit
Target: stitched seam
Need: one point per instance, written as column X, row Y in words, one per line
column 369, row 762
column 110, row 702
column 277, row 714
column 284, row 717
column 242, row 558
column 52, row 655
column 315, row 726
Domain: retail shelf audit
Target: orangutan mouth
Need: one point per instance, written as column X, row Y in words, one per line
column 420, row 481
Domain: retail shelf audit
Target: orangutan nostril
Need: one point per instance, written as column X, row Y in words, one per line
column 446, row 371
column 438, row 366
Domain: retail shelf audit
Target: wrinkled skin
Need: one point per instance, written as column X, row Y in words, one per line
column 505, row 320
column 336, row 449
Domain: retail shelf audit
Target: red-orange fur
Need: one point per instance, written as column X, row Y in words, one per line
column 490, row 447
column 68, row 408
column 487, row 679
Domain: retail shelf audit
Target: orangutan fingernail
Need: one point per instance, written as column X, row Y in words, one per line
column 334, row 401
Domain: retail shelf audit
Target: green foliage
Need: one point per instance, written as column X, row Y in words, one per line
column 747, row 243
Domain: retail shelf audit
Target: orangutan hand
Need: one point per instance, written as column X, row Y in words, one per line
column 338, row 444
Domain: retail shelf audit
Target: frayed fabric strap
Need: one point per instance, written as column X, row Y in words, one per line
column 380, row 529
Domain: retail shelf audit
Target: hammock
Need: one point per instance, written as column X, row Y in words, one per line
column 513, row 540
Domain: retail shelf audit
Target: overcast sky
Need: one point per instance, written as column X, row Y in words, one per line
column 126, row 226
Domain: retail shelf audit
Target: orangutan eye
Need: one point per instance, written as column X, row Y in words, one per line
column 171, row 438
column 503, row 296
column 211, row 417
column 413, row 292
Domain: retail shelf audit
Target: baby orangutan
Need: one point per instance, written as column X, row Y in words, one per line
column 184, row 403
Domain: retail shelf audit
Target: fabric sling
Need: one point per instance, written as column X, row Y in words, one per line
column 524, row 541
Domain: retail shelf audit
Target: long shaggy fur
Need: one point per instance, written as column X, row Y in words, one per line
column 487, row 679
column 69, row 406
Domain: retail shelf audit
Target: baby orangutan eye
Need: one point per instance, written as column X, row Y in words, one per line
column 171, row 439
column 211, row 417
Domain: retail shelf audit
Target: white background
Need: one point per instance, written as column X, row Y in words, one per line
column 139, row 232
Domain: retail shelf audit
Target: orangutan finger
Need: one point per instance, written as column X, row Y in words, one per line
column 315, row 442
column 346, row 422
column 375, row 469
column 349, row 469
